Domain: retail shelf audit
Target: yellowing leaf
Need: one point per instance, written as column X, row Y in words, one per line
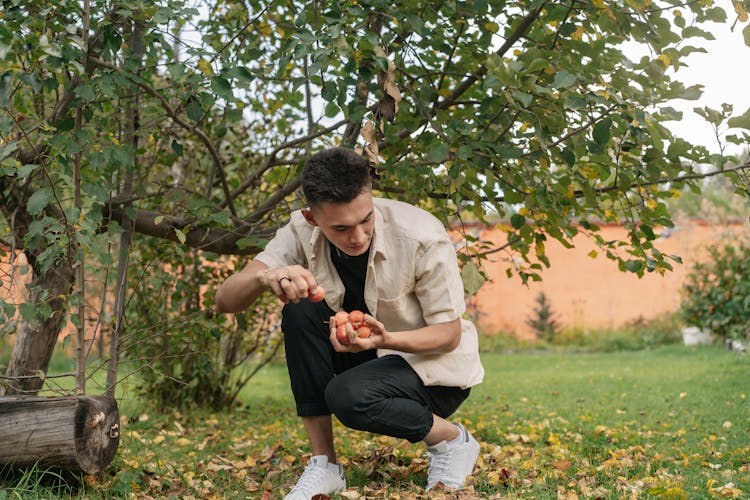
column 665, row 60
column 741, row 12
column 205, row 67
column 539, row 249
column 492, row 27
column 265, row 29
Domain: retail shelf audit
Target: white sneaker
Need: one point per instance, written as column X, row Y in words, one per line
column 451, row 463
column 320, row 477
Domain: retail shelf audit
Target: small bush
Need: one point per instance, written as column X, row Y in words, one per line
column 503, row 341
column 635, row 335
column 716, row 293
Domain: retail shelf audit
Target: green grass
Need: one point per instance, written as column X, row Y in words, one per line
column 672, row 422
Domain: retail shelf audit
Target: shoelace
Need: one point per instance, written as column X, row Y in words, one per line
column 312, row 475
column 440, row 463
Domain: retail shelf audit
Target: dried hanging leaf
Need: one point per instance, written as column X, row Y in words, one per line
column 387, row 106
column 371, row 142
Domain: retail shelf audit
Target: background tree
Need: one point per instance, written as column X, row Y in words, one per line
column 122, row 120
column 542, row 321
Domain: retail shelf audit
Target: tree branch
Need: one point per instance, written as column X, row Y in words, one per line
column 467, row 83
column 269, row 162
column 172, row 113
column 198, row 236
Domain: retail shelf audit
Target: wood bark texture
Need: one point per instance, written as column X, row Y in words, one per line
column 79, row 433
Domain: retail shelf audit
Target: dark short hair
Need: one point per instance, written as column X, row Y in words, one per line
column 336, row 175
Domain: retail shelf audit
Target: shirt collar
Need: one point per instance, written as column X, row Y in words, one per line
column 377, row 246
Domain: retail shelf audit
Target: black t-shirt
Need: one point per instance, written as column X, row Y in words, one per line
column 352, row 271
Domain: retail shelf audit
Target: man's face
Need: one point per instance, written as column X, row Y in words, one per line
column 349, row 226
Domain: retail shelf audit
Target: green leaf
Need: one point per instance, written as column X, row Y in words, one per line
column 601, row 131
column 27, row 311
column 252, row 241
column 537, row 64
column 66, row 124
column 691, row 31
column 517, row 221
column 329, row 91
column 177, row 70
column 471, row 278
column 222, row 87
column 180, row 235
column 563, row 79
column 177, row 147
column 746, row 34
column 7, row 149
column 241, row 73
column 194, row 110
column 524, row 98
column 86, row 92
column 742, row 121
column 634, row 266
column 669, row 113
column 38, row 201
column 692, row 93
column 6, row 87
column 439, row 152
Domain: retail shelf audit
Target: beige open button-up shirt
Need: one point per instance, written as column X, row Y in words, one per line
column 412, row 281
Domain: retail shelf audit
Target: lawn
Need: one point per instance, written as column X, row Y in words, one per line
column 673, row 422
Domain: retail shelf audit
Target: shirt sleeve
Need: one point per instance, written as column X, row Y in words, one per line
column 439, row 288
column 284, row 249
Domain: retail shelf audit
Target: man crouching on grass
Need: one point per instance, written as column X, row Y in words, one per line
column 396, row 263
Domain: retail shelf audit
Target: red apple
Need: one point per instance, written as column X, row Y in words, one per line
column 316, row 294
column 341, row 334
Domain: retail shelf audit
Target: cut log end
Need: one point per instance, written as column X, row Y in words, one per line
column 80, row 433
column 97, row 432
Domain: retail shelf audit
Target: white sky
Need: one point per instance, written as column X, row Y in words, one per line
column 724, row 71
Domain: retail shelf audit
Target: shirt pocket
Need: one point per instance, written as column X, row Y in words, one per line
column 400, row 313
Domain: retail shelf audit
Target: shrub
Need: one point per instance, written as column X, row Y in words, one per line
column 184, row 354
column 716, row 293
column 505, row 342
column 637, row 334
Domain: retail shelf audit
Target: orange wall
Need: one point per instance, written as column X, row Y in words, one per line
column 591, row 293
column 584, row 293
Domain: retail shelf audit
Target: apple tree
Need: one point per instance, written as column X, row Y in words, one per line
column 146, row 145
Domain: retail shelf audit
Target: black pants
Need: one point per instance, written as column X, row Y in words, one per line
column 367, row 393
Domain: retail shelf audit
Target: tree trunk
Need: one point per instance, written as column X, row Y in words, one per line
column 78, row 433
column 37, row 338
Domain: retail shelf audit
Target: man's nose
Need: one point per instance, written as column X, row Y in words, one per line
column 357, row 235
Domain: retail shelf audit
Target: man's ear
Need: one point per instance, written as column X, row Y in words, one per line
column 309, row 217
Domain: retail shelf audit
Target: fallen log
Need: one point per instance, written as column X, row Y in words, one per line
column 77, row 433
